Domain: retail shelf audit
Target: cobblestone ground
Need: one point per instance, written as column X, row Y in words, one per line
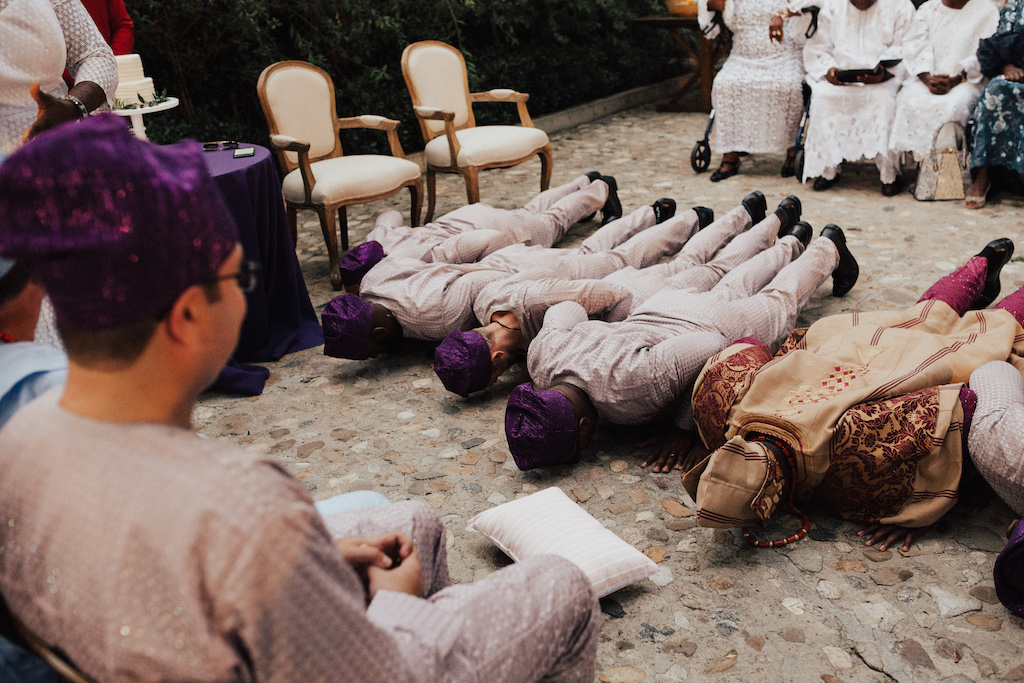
column 826, row 608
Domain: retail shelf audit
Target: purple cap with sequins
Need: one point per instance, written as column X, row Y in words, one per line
column 114, row 228
column 540, row 427
column 359, row 260
column 346, row 322
column 463, row 362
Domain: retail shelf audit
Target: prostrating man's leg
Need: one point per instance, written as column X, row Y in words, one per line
column 535, row 620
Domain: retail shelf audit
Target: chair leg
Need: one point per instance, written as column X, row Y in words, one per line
column 546, row 164
column 293, row 223
column 431, row 194
column 416, row 196
column 472, row 176
column 343, row 226
column 331, row 239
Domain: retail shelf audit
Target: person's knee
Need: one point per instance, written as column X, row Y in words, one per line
column 425, row 520
column 573, row 583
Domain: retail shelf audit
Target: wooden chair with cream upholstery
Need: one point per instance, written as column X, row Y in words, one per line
column 435, row 74
column 298, row 101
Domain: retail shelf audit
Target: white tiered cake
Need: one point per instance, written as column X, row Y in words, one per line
column 132, row 81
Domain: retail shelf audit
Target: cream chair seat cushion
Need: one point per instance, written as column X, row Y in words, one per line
column 352, row 177
column 487, row 145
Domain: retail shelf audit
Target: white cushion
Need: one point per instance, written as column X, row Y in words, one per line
column 487, row 145
column 548, row 523
column 352, row 177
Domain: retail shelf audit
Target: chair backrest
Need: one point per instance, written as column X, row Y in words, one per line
column 298, row 101
column 435, row 74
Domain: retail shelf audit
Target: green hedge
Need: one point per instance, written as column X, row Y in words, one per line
column 209, row 54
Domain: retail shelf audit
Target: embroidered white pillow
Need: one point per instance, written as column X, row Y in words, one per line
column 549, row 523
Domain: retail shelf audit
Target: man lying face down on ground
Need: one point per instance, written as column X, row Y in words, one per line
column 145, row 552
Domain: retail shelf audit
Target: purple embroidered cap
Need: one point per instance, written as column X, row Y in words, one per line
column 114, row 228
column 1009, row 572
column 359, row 260
column 463, row 362
column 346, row 323
column 540, row 427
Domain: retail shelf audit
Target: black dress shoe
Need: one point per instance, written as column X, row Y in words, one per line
column 801, row 230
column 593, row 175
column 756, row 206
column 612, row 209
column 722, row 173
column 821, row 183
column 789, row 212
column 705, row 216
column 789, row 167
column 894, row 188
column 664, row 209
column 997, row 253
column 844, row 277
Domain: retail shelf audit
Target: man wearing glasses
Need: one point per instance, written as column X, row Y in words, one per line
column 144, row 552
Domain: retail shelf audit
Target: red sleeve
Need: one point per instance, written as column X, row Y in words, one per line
column 122, row 28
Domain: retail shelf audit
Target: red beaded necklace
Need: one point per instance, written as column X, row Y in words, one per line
column 788, row 452
column 6, row 338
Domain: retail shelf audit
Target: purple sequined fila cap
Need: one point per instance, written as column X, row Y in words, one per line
column 346, row 323
column 540, row 427
column 463, row 362
column 359, row 260
column 114, row 228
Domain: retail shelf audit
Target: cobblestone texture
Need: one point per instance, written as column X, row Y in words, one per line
column 823, row 609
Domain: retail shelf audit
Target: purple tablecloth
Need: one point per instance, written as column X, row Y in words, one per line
column 280, row 319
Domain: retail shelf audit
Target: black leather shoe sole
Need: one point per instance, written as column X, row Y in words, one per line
column 705, row 216
column 612, row 209
column 756, row 205
column 821, row 184
column 997, row 253
column 802, row 231
column 844, row 277
column 664, row 209
column 792, row 207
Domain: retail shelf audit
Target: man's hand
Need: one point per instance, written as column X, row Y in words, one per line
column 405, row 578
column 831, row 77
column 876, row 76
column 52, row 112
column 673, row 448
column 938, row 84
column 1013, row 73
column 890, row 534
column 382, row 551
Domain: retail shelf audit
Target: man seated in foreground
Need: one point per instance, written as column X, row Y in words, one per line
column 472, row 232
column 641, row 370
column 408, row 298
column 470, row 361
column 863, row 415
column 146, row 552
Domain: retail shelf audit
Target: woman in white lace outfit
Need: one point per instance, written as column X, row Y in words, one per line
column 757, row 95
column 948, row 77
column 38, row 40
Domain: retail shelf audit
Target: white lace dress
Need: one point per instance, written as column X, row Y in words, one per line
column 851, row 122
column 953, row 36
column 757, row 94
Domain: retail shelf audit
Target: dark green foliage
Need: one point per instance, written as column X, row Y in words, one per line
column 209, row 54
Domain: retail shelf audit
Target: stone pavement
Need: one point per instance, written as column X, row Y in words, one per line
column 825, row 608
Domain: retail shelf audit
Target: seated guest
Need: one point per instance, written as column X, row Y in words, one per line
column 948, row 80
column 852, row 120
column 641, row 370
column 404, row 297
column 472, row 232
column 997, row 154
column 758, row 94
column 470, row 361
column 863, row 415
column 229, row 573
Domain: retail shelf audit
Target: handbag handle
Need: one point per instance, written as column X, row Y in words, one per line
column 961, row 145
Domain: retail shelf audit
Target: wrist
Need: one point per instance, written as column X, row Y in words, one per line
column 79, row 105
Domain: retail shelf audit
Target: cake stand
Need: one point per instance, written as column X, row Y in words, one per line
column 138, row 127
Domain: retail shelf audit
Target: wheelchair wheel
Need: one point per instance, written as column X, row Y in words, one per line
column 798, row 165
column 700, row 157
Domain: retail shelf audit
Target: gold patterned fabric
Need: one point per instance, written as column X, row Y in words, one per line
column 720, row 383
column 869, row 404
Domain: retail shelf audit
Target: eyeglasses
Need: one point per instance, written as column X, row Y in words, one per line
column 223, row 144
column 248, row 276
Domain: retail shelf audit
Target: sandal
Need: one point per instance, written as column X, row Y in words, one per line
column 722, row 173
column 976, row 201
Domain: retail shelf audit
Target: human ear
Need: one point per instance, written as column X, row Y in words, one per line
column 380, row 333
